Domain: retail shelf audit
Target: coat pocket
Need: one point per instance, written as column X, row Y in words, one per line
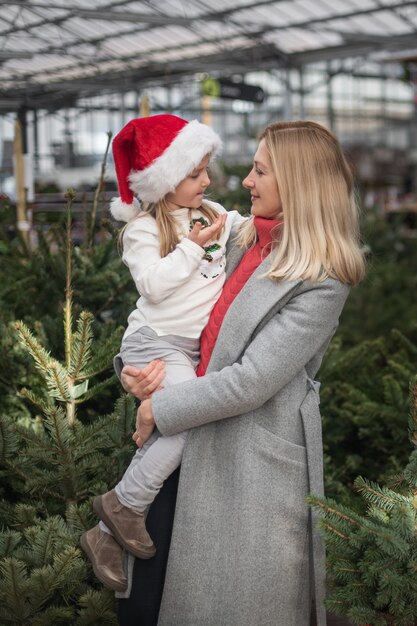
column 276, row 447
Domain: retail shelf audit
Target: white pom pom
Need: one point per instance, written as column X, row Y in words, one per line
column 123, row 212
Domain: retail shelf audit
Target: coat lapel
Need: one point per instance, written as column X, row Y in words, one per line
column 234, row 254
column 253, row 307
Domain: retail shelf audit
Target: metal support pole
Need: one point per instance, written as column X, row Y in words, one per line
column 301, row 93
column 330, row 107
column 287, row 95
column 122, row 109
column 413, row 129
column 36, row 157
column 67, row 152
column 169, row 98
column 384, row 117
column 22, row 119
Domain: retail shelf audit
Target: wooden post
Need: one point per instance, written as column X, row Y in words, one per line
column 21, row 214
column 206, row 115
column 144, row 108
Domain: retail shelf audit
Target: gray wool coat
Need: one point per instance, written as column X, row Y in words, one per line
column 244, row 548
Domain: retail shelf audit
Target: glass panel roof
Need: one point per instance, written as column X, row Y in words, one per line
column 51, row 51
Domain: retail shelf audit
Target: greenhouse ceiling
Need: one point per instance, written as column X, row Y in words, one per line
column 53, row 53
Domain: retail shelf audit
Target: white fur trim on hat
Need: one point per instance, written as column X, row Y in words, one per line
column 123, row 212
column 179, row 159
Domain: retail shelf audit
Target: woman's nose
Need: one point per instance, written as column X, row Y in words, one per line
column 206, row 181
column 247, row 182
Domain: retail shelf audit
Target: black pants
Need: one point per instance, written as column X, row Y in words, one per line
column 142, row 608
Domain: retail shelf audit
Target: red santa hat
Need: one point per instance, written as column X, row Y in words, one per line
column 152, row 155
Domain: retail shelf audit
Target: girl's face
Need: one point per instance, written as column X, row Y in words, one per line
column 189, row 193
column 261, row 182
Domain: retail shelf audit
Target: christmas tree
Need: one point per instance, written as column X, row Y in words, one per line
column 364, row 405
column 56, row 451
column 372, row 557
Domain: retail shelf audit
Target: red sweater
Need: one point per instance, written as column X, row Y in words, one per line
column 250, row 261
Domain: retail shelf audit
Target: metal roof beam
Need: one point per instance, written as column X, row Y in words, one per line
column 353, row 50
column 141, row 18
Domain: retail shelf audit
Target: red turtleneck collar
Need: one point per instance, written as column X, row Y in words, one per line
column 264, row 228
column 267, row 231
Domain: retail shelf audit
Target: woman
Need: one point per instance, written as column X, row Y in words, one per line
column 244, row 551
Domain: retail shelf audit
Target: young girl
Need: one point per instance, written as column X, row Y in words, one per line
column 175, row 250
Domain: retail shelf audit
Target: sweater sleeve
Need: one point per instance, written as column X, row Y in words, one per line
column 155, row 277
column 275, row 355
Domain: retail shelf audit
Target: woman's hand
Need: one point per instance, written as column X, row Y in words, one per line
column 145, row 423
column 142, row 383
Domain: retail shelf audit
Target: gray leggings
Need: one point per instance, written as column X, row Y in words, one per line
column 160, row 456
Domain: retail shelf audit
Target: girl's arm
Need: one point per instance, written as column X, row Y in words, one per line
column 277, row 353
column 155, row 277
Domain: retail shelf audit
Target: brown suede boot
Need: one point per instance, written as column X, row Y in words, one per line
column 127, row 526
column 106, row 557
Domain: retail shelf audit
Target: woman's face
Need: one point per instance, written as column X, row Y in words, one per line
column 189, row 193
column 262, row 184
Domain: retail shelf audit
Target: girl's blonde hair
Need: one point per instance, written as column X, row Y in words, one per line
column 320, row 233
column 168, row 234
column 166, row 223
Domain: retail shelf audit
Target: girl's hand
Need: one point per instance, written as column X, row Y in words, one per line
column 142, row 383
column 201, row 236
column 145, row 423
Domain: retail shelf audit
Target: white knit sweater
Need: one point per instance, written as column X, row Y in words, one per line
column 177, row 291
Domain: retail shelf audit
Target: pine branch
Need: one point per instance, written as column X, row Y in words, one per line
column 42, row 357
column 25, row 515
column 62, row 435
column 103, row 355
column 9, row 540
column 331, row 529
column 97, row 606
column 70, row 195
column 325, row 505
column 96, row 390
column 8, row 441
column 36, row 400
column 15, row 586
column 80, row 517
column 53, row 616
column 379, row 496
column 58, row 382
column 82, row 342
column 404, row 341
column 66, row 570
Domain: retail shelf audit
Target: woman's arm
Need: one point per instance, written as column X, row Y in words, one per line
column 277, row 353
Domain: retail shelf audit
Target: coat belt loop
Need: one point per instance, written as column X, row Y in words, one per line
column 315, row 386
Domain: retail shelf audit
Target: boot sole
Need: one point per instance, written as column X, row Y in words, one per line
column 144, row 552
column 107, row 582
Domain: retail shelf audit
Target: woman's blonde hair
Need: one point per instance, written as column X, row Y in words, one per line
column 320, row 233
column 167, row 225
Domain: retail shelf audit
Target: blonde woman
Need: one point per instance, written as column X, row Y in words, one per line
column 244, row 549
column 174, row 246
